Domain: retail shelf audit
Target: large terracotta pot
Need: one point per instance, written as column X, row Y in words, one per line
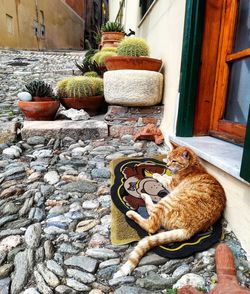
column 90, row 104
column 111, row 39
column 45, row 110
column 131, row 62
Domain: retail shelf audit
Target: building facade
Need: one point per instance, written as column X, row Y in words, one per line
column 205, row 48
column 42, row 24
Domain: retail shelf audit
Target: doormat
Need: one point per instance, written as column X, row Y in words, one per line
column 130, row 178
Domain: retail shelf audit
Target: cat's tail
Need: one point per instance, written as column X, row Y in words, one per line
column 148, row 243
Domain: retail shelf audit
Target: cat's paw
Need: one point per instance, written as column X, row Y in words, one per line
column 157, row 176
column 144, row 196
column 131, row 214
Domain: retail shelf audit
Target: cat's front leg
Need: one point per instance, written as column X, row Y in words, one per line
column 142, row 222
column 151, row 224
column 148, row 201
column 165, row 180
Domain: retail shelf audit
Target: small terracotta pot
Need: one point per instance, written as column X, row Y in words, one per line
column 111, row 39
column 131, row 62
column 41, row 99
column 90, row 104
column 45, row 110
column 112, row 36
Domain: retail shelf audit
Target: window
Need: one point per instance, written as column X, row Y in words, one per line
column 145, row 4
column 9, row 24
column 229, row 65
column 214, row 97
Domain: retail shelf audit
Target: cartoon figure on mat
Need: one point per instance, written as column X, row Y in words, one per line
column 138, row 179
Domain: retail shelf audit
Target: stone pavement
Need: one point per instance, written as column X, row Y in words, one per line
column 55, row 221
column 20, row 67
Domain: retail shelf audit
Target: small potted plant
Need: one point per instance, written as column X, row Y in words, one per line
column 112, row 34
column 43, row 104
column 132, row 53
column 82, row 92
column 100, row 56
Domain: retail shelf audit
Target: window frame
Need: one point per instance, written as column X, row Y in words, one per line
column 218, row 126
column 145, row 5
column 191, row 82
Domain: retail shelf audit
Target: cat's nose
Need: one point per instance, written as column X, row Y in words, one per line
column 162, row 193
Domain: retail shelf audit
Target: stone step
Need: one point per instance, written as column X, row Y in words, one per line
column 80, row 130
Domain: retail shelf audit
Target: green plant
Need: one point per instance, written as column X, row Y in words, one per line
column 112, row 27
column 39, row 88
column 133, row 47
column 88, row 55
column 97, row 36
column 110, row 49
column 100, row 56
column 171, row 291
column 61, row 88
column 91, row 74
column 90, row 66
column 78, row 87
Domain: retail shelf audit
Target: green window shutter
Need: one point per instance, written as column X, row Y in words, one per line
column 190, row 62
column 245, row 163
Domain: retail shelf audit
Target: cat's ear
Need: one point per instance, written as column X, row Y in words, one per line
column 185, row 154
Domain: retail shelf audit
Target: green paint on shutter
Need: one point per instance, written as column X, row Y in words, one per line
column 191, row 51
column 245, row 163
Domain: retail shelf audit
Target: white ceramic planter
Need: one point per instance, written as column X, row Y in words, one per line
column 133, row 87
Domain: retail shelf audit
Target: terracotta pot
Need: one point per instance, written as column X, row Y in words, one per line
column 90, row 104
column 40, row 99
column 111, row 39
column 129, row 62
column 114, row 36
column 45, row 110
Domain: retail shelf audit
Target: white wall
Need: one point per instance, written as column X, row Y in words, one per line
column 113, row 9
column 131, row 13
column 238, row 204
column 162, row 28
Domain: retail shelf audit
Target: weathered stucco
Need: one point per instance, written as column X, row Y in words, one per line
column 64, row 28
column 162, row 27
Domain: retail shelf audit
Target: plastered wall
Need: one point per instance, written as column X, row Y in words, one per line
column 163, row 28
column 63, row 27
column 238, row 204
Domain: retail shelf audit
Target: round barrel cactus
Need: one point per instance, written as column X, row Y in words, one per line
column 133, row 47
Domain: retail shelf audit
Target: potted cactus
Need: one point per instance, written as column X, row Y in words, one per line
column 112, row 34
column 132, row 53
column 100, row 56
column 43, row 105
column 82, row 92
column 40, row 91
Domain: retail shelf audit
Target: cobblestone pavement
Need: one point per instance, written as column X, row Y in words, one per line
column 20, row 67
column 55, row 221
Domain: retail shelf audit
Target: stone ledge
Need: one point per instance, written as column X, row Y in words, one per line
column 84, row 130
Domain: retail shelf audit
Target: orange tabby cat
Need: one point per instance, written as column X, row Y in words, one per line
column 196, row 201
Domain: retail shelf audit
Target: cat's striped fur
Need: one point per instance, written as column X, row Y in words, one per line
column 196, row 202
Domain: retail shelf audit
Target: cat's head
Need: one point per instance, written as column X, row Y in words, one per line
column 181, row 158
